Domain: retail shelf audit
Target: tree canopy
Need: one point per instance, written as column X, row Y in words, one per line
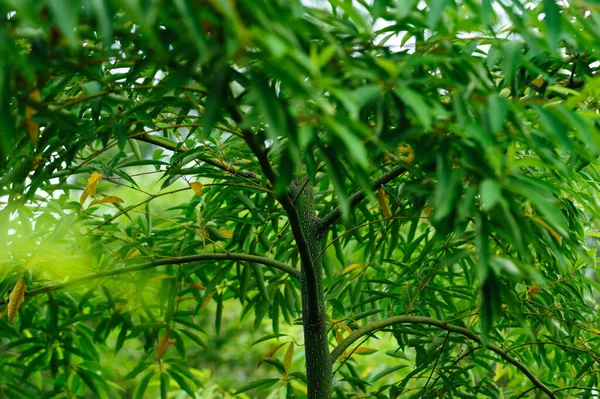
column 368, row 199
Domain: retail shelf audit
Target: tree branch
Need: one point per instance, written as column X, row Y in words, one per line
column 259, row 150
column 296, row 226
column 218, row 163
column 357, row 197
column 339, row 350
column 170, row 261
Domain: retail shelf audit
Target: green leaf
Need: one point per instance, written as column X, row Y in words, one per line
column 267, row 337
column 582, row 129
column 490, row 193
column 143, row 385
column 219, row 314
column 125, row 176
column 89, row 381
column 447, row 188
column 336, row 179
column 193, row 337
column 510, row 64
column 353, row 144
column 121, row 338
column 258, row 384
column 271, row 107
column 260, row 281
column 217, row 278
column 182, row 382
column 386, row 372
column 351, row 11
column 105, row 21
column 484, row 13
column 436, row 10
column 482, row 243
column 497, row 113
column 553, row 21
column 65, row 12
column 217, row 95
column 164, row 385
column 490, row 305
column 413, row 100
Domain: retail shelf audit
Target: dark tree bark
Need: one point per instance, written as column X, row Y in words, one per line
column 318, row 361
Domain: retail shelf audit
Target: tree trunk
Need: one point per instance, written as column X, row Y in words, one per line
column 318, row 361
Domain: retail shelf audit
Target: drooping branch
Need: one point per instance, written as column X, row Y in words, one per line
column 357, row 197
column 218, row 163
column 345, row 344
column 170, row 261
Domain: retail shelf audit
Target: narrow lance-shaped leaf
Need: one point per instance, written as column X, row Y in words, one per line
column 90, row 189
column 164, row 385
column 259, row 384
column 553, row 22
column 109, row 199
column 384, row 203
column 140, row 390
column 197, row 187
column 287, row 359
column 32, row 126
column 163, row 345
column 16, row 298
column 270, row 353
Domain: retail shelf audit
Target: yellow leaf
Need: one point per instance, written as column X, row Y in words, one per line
column 207, row 300
column 351, row 267
column 84, row 196
column 196, row 285
column 16, row 298
column 595, row 331
column 133, row 254
column 338, row 336
column 545, row 225
column 93, row 182
column 366, row 371
column 534, row 289
column 343, row 325
column 384, row 203
column 499, row 372
column 410, row 153
column 35, row 95
column 365, row 351
column 287, row 359
column 538, row 82
column 270, row 353
column 197, row 187
column 162, row 346
column 32, row 127
column 226, row 233
column 109, row 199
column 90, row 189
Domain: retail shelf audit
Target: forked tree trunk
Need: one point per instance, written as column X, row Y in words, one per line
column 318, row 362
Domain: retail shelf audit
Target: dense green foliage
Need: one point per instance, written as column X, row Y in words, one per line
column 412, row 182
